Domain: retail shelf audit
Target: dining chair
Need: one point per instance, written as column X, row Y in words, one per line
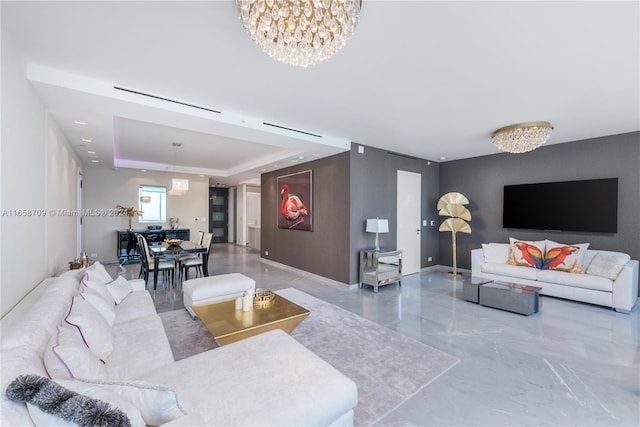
column 147, row 264
column 182, row 258
column 197, row 261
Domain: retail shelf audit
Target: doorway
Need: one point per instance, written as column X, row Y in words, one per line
column 219, row 214
column 408, row 213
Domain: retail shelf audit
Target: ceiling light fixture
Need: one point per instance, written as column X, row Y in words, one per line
column 80, row 122
column 300, row 32
column 523, row 137
column 179, row 186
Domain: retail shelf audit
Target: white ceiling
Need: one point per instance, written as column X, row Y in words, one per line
column 424, row 78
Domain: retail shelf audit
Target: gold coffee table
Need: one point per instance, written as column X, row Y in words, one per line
column 228, row 325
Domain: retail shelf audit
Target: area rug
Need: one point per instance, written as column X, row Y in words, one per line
column 387, row 367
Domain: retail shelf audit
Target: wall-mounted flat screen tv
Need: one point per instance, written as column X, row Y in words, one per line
column 588, row 205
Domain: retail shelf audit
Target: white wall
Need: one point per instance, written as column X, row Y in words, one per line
column 241, row 215
column 253, row 208
column 247, row 211
column 61, row 194
column 253, row 220
column 105, row 188
column 232, row 215
column 38, row 173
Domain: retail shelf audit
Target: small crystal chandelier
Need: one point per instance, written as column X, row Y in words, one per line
column 300, row 32
column 522, row 137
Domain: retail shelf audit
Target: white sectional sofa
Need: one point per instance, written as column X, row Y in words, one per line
column 58, row 331
column 614, row 285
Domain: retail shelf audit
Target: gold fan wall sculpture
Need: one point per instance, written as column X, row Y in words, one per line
column 451, row 205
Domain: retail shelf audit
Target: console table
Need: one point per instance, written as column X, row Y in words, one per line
column 380, row 268
column 127, row 244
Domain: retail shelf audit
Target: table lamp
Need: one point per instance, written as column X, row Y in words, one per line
column 377, row 226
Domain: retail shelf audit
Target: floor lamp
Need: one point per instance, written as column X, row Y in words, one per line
column 451, row 205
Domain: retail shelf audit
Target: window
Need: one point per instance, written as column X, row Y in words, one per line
column 153, row 203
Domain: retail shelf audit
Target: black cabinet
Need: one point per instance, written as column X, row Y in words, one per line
column 127, row 243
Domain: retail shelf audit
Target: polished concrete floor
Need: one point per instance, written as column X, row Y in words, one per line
column 571, row 364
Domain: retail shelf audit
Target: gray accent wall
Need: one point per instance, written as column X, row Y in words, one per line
column 482, row 179
column 325, row 250
column 374, row 177
column 348, row 188
column 351, row 187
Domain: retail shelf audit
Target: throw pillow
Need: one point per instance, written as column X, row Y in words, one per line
column 106, row 310
column 563, row 257
column 526, row 253
column 608, row 266
column 99, row 392
column 92, row 328
column 98, row 273
column 496, row 252
column 158, row 404
column 54, row 399
column 119, row 289
column 67, row 357
column 99, row 287
column 14, row 362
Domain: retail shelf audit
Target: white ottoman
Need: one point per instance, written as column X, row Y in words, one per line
column 222, row 287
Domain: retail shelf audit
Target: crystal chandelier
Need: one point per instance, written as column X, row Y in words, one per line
column 522, row 137
column 300, row 32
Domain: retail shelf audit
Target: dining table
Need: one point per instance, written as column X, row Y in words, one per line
column 163, row 249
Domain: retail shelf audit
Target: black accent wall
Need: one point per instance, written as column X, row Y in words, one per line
column 482, row 180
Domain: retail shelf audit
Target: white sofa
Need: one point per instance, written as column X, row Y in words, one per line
column 619, row 293
column 269, row 379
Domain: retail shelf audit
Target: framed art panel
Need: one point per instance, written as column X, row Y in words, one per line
column 295, row 207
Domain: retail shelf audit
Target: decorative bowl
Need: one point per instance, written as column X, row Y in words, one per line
column 263, row 298
column 173, row 242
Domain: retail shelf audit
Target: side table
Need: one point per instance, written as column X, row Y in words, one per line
column 380, row 268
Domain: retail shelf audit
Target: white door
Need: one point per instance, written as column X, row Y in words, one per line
column 408, row 228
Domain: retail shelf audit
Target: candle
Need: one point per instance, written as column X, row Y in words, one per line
column 247, row 302
column 239, row 303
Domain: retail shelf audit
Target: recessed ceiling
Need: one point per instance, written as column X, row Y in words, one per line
column 154, row 144
column 424, row 78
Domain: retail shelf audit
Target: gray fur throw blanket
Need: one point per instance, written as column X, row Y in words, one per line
column 54, row 399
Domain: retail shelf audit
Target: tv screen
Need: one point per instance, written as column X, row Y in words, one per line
column 589, row 205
